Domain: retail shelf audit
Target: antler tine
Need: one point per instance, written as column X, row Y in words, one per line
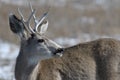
column 40, row 21
column 27, row 22
column 34, row 17
column 37, row 22
column 22, row 18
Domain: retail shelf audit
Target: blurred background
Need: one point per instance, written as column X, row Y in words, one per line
column 70, row 22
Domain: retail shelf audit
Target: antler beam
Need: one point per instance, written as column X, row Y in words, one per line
column 37, row 22
column 27, row 22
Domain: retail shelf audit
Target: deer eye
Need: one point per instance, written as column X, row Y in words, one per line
column 41, row 40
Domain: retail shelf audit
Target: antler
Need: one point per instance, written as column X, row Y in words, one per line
column 27, row 22
column 37, row 22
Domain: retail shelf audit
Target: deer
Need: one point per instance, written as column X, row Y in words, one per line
column 40, row 58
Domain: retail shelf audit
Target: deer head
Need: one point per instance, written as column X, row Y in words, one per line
column 33, row 36
column 34, row 45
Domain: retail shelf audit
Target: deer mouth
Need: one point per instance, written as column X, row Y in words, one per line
column 59, row 52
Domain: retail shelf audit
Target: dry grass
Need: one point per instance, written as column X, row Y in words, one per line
column 67, row 21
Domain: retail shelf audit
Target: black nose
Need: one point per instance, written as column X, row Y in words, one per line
column 16, row 25
column 59, row 50
column 41, row 40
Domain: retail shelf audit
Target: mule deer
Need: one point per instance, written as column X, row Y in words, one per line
column 95, row 60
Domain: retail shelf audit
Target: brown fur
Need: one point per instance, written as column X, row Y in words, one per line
column 95, row 60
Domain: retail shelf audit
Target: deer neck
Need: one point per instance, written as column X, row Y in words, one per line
column 26, row 65
column 35, row 72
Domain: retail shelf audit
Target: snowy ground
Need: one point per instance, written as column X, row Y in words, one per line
column 8, row 53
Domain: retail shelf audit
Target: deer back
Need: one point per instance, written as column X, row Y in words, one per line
column 95, row 60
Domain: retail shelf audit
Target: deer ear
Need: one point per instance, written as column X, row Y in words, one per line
column 43, row 27
column 16, row 25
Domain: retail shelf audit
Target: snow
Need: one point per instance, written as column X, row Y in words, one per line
column 66, row 41
column 6, row 49
column 70, row 41
column 8, row 53
column 89, row 20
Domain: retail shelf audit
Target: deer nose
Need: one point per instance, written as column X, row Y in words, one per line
column 59, row 52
